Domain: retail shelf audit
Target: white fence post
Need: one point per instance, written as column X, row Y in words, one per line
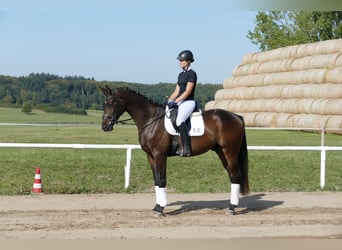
column 128, row 166
column 323, row 158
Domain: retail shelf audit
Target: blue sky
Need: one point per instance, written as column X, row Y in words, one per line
column 131, row 40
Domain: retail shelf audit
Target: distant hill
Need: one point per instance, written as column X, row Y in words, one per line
column 75, row 94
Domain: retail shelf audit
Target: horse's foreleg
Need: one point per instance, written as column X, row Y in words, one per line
column 158, row 166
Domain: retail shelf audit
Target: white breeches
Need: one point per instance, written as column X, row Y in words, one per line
column 185, row 109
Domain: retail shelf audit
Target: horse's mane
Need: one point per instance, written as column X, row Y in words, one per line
column 139, row 94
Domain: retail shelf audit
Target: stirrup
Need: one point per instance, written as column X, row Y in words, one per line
column 181, row 153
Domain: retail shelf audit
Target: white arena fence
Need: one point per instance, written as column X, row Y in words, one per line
column 129, row 148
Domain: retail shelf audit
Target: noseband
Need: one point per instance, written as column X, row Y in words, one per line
column 112, row 118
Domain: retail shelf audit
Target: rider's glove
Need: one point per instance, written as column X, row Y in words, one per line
column 171, row 104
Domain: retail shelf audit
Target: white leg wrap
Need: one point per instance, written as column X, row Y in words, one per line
column 234, row 194
column 162, row 197
column 156, row 189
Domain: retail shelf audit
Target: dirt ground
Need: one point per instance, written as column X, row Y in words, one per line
column 189, row 216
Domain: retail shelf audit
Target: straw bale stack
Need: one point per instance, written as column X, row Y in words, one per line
column 295, row 86
column 284, row 120
column 265, row 119
column 325, row 90
column 334, row 122
column 328, row 61
column 291, row 106
column 296, row 51
column 294, row 77
column 334, row 75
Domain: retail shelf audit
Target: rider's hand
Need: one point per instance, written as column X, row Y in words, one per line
column 171, row 104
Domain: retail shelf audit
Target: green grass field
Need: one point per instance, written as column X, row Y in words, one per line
column 101, row 170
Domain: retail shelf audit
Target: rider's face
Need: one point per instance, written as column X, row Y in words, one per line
column 183, row 64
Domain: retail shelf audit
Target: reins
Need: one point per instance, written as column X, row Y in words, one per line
column 123, row 122
column 113, row 120
column 154, row 120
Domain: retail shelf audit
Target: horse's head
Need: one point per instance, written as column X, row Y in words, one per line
column 113, row 108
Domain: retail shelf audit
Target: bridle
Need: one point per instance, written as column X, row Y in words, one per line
column 113, row 118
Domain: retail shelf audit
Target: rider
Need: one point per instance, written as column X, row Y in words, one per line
column 183, row 97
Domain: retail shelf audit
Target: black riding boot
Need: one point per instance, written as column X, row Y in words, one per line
column 183, row 130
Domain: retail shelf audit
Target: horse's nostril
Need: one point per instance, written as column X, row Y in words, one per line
column 107, row 127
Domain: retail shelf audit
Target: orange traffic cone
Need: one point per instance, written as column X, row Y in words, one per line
column 37, row 184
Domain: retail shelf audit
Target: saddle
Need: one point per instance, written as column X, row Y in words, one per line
column 195, row 123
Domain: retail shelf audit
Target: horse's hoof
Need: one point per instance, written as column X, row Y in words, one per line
column 157, row 214
column 231, row 210
column 183, row 153
column 157, row 211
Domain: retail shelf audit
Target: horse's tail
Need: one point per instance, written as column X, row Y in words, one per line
column 243, row 163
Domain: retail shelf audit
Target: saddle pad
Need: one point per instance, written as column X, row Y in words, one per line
column 197, row 125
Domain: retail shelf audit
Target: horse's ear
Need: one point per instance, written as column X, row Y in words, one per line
column 106, row 91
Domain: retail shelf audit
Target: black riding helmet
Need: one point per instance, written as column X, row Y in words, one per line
column 186, row 55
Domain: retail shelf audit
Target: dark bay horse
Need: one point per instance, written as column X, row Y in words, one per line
column 224, row 133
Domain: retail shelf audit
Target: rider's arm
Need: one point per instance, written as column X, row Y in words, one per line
column 174, row 95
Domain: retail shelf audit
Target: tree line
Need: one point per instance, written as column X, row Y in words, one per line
column 76, row 94
column 276, row 29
